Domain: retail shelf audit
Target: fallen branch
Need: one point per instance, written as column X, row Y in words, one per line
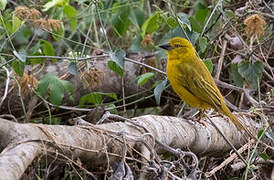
column 97, row 144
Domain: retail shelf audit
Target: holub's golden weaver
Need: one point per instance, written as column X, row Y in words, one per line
column 192, row 81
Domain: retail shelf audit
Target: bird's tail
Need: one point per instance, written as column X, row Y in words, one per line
column 236, row 122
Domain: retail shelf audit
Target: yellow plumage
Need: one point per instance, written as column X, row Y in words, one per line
column 191, row 80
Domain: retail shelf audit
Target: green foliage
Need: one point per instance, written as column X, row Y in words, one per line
column 116, row 68
column 260, row 133
column 16, row 24
column 21, row 55
column 58, row 34
column 238, row 80
column 158, row 90
column 120, row 21
column 209, row 65
column 251, row 72
column 184, row 20
column 203, row 44
column 96, row 98
column 136, row 45
column 18, row 67
column 119, row 58
column 142, row 79
column 153, row 23
column 137, row 17
column 54, row 3
column 48, row 49
column 72, row 68
column 264, row 156
column 3, row 4
column 55, row 87
column 198, row 21
column 71, row 14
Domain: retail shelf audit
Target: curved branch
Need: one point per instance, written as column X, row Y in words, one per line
column 23, row 142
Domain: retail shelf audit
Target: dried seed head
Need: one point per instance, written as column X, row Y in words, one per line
column 147, row 40
column 254, row 25
column 92, row 78
column 22, row 12
column 34, row 14
column 54, row 24
column 25, row 13
column 50, row 24
column 41, row 23
column 27, row 82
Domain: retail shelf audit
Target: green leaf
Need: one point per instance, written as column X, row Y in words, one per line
column 48, row 49
column 252, row 72
column 137, row 16
column 264, row 156
column 260, row 133
column 34, row 61
column 119, row 57
column 58, row 34
column 116, row 68
column 158, row 90
column 142, row 79
column 18, row 67
column 230, row 13
column 153, row 23
column 54, row 3
column 112, row 108
column 93, row 98
column 121, row 22
column 184, row 20
column 117, row 6
column 43, row 84
column 21, row 55
column 201, row 14
column 112, row 95
column 57, row 92
column 16, row 23
column 136, row 45
column 73, row 68
column 3, row 4
column 203, row 44
column 209, row 65
column 253, row 167
column 56, row 88
column 238, row 80
column 71, row 13
column 195, row 25
column 171, row 21
column 69, row 88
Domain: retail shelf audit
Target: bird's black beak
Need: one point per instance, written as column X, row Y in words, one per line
column 166, row 46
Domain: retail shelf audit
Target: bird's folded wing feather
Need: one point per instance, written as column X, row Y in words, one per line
column 201, row 88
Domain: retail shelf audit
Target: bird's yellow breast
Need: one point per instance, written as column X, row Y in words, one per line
column 177, row 80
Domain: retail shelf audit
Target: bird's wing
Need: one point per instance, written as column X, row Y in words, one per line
column 201, row 88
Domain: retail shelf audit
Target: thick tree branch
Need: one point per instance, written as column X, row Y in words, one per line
column 21, row 143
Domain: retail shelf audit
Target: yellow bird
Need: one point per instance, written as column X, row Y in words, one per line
column 192, row 81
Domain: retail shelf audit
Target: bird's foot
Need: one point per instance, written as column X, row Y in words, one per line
column 200, row 121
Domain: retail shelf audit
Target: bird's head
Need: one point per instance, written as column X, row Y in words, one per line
column 178, row 46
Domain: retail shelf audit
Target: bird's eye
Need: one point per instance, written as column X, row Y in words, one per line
column 178, row 45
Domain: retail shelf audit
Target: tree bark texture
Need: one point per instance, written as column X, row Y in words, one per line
column 95, row 145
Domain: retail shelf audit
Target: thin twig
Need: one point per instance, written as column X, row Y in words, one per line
column 228, row 142
column 221, row 59
column 229, row 159
column 6, row 87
